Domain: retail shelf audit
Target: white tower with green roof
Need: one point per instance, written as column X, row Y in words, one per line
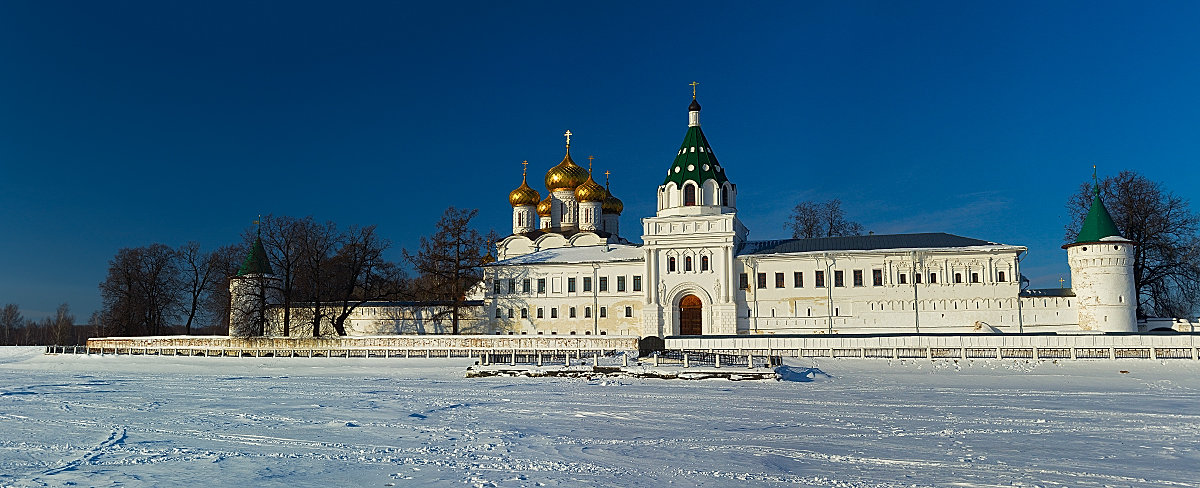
column 1102, row 273
column 690, row 243
column 251, row 292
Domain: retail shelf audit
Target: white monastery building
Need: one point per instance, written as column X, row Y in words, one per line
column 565, row 269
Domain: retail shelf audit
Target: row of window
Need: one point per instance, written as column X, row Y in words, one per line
column 541, row 312
column 527, row 285
column 857, row 277
column 687, row 264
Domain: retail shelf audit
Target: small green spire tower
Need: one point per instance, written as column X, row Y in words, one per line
column 1098, row 224
column 256, row 261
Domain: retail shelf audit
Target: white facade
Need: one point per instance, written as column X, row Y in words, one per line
column 697, row 273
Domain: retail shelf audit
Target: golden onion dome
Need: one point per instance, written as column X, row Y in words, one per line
column 590, row 191
column 612, row 205
column 524, row 195
column 543, row 207
column 566, row 175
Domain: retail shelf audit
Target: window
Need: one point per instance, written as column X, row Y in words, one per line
column 587, row 283
column 877, row 277
column 917, row 278
column 703, row 263
column 628, row 311
column 495, row 287
column 687, row 263
column 510, row 313
column 779, row 280
column 525, row 285
column 902, row 278
column 798, row 279
column 743, row 281
column 541, row 313
column 689, row 195
column 839, row 278
column 587, row 312
column 762, row 280
column 524, row 313
column 570, row 285
column 1000, row 276
column 637, row 283
column 974, row 277
column 819, row 279
column 512, row 286
column 554, row 312
column 725, row 196
column 932, row 278
column 620, row 283
column 603, row 312
column 571, row 312
column 671, row 265
column 603, row 283
column 541, row 285
column 499, row 312
column 858, row 277
column 958, row 277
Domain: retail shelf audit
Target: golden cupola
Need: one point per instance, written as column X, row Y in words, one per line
column 524, row 195
column 590, row 191
column 566, row 175
column 612, row 205
column 543, row 207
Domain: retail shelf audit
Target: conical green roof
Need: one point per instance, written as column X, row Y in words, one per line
column 695, row 160
column 1098, row 224
column 256, row 261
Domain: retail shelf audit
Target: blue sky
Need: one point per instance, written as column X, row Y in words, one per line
column 128, row 123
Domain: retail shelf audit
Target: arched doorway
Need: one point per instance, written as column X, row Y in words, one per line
column 690, row 320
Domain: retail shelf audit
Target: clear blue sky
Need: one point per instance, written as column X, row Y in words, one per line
column 128, row 123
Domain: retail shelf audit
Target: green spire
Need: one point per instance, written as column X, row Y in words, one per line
column 256, row 261
column 1098, row 224
column 695, row 161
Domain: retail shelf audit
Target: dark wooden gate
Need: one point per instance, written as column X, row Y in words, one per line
column 690, row 316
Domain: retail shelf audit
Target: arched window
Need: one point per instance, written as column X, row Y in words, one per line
column 703, row 263
column 687, row 263
column 521, row 218
column 725, row 196
column 670, row 264
column 689, row 195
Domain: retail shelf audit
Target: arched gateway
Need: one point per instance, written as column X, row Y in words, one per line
column 690, row 315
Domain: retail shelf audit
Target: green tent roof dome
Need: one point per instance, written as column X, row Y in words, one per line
column 1098, row 224
column 256, row 261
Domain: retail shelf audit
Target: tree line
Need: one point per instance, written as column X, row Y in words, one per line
column 322, row 272
column 60, row 328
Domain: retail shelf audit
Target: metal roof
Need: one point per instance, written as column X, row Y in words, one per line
column 863, row 243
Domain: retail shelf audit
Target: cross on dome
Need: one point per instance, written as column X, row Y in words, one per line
column 568, row 134
column 694, row 83
column 524, row 168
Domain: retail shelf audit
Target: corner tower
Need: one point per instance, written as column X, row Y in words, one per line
column 1102, row 272
column 251, row 292
column 690, row 243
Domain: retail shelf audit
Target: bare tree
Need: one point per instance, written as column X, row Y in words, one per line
column 821, row 219
column 141, row 292
column 283, row 238
column 224, row 262
column 319, row 242
column 61, row 327
column 1166, row 261
column 449, row 261
column 361, row 274
column 10, row 321
column 197, row 272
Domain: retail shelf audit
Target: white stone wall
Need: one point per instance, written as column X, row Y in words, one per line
column 1102, row 277
column 622, row 309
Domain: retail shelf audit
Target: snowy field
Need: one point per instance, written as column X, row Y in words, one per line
column 147, row 421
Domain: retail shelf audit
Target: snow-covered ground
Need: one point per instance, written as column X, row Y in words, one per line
column 148, row 421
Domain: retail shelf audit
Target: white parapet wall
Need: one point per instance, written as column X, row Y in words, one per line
column 1035, row 346
column 411, row 342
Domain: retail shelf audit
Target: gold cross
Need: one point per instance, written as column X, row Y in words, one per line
column 694, row 89
column 1060, row 282
column 524, row 167
column 606, row 173
column 590, row 158
column 568, row 134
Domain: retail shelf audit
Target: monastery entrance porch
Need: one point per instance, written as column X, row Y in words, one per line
column 690, row 315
